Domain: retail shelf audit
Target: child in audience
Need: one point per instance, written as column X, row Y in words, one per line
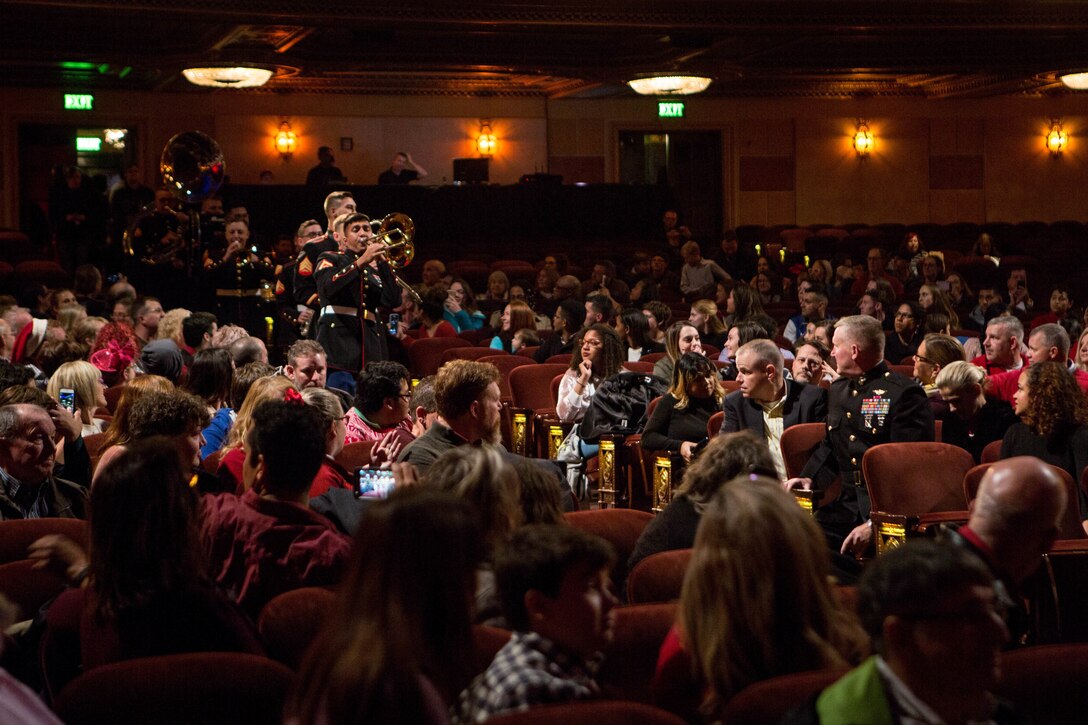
column 555, row 586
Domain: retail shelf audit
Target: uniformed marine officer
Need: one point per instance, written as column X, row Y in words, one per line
column 867, row 405
column 305, row 286
column 239, row 277
column 353, row 284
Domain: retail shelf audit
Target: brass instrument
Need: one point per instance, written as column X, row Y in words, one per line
column 396, row 231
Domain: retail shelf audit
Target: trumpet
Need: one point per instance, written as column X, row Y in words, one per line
column 397, row 231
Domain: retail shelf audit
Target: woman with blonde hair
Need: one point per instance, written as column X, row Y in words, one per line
column 704, row 316
column 275, row 387
column 973, row 420
column 86, row 381
column 678, row 423
column 757, row 600
column 170, row 326
column 328, row 407
column 1080, row 355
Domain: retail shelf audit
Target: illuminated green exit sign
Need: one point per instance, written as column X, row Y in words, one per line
column 670, row 109
column 78, row 102
column 85, row 143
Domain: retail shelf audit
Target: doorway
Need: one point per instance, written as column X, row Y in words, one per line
column 690, row 163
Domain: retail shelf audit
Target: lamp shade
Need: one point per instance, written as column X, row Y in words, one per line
column 227, row 77
column 669, row 85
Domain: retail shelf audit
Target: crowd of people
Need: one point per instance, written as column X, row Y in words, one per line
column 203, row 443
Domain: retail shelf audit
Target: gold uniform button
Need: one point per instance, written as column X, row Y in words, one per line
column 829, row 426
column 853, row 461
column 854, row 393
column 853, row 437
column 849, row 415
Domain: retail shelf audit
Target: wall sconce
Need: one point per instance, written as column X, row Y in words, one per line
column 286, row 141
column 1056, row 139
column 863, row 139
column 485, row 142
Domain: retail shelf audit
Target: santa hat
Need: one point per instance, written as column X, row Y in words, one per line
column 29, row 340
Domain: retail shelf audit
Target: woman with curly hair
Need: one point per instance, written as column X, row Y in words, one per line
column 757, row 601
column 704, row 316
column 1053, row 421
column 598, row 354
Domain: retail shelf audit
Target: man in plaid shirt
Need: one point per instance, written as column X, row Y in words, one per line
column 555, row 586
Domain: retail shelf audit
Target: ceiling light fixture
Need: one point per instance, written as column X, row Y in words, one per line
column 1076, row 81
column 674, row 85
column 228, row 77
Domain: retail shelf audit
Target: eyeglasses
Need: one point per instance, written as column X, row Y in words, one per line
column 921, row 358
column 904, row 315
column 405, row 396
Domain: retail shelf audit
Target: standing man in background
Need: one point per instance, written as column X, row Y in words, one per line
column 398, row 174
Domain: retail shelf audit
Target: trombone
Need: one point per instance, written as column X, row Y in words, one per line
column 396, row 231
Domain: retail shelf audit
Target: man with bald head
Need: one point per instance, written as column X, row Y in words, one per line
column 28, row 489
column 1015, row 518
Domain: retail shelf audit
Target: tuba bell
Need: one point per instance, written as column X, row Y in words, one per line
column 192, row 166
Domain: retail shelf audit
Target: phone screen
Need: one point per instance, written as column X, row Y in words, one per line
column 394, row 323
column 68, row 399
column 373, row 482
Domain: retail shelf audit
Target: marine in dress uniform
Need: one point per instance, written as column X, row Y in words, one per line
column 304, row 283
column 240, row 279
column 866, row 406
column 351, row 290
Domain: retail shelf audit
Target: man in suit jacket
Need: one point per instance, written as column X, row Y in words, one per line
column 767, row 403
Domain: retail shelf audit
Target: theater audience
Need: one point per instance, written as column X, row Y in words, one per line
column 267, row 541
column 382, row 392
column 147, row 590
column 210, row 379
column 678, row 422
column 397, row 642
column 704, row 315
column 566, row 322
column 634, row 330
column 555, row 587
column 29, row 489
column 658, row 315
column 725, row 458
column 935, row 352
column 755, row 544
column 972, row 419
column 517, row 315
column 461, row 309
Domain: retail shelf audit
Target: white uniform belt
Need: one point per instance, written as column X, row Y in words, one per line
column 350, row 311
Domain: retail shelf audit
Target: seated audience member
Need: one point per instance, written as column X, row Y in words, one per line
column 767, row 403
column 147, row 590
column 603, row 281
column 935, row 352
column 698, row 276
column 1046, row 343
column 517, row 315
column 72, row 461
column 811, row 363
column 1015, row 520
column 267, row 541
column 431, row 321
column 681, row 338
column 1004, row 336
column 566, row 322
column 382, row 392
column 490, row 483
column 331, row 474
column 247, row 350
column 227, row 335
column 197, row 331
column 424, row 411
column 232, row 461
column 557, row 595
column 114, row 354
column 523, row 338
column 85, row 380
column 29, row 489
column 678, row 423
column 469, row 409
column 117, row 432
column 599, row 309
column 822, row 332
column 395, row 645
column 162, row 357
column 460, row 307
column 933, row 616
column 176, row 415
column 170, row 326
column 904, row 340
column 1020, row 302
column 740, row 334
column 877, row 263
column 813, row 300
column 704, row 315
column 598, row 355
column 755, row 544
column 55, row 353
column 867, row 405
column 541, row 500
column 634, row 330
column 19, row 703
column 241, row 381
column 972, row 420
column 1053, row 421
column 658, row 315
column 725, row 458
column 210, row 379
column 1061, row 302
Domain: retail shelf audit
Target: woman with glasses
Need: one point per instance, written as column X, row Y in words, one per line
column 598, row 354
column 678, row 423
column 903, row 342
column 935, row 352
column 328, row 407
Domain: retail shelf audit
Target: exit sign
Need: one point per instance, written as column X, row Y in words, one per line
column 670, row 109
column 78, row 102
column 88, row 143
